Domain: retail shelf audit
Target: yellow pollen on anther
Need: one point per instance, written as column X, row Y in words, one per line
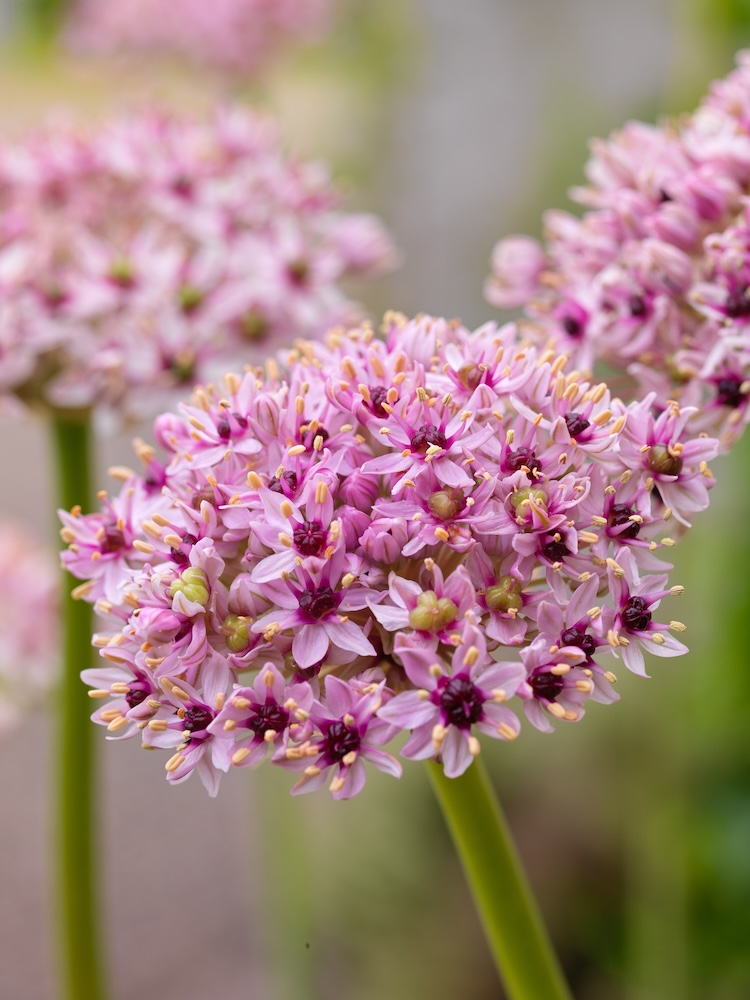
column 229, row 725
column 116, row 724
column 471, row 657
column 349, row 758
column 474, row 747
column 348, row 719
column 586, row 687
column 239, row 755
column 436, row 670
column 109, row 714
column 557, row 710
column 658, row 638
column 560, row 669
column 174, row 762
column 438, row 735
column 506, row 731
column 678, row 626
column 158, row 725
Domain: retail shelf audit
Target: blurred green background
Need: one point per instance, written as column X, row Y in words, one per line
column 458, row 123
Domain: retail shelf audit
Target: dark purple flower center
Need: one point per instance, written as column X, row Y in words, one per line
column 113, row 539
column 270, row 716
column 461, row 702
column 555, row 551
column 378, row 394
column 637, row 306
column 317, row 603
column 308, row 438
column 577, row 637
column 729, row 392
column 737, row 305
column 572, row 326
column 576, row 424
column 515, row 461
column 620, row 514
column 635, row 614
column 309, row 538
column 224, row 429
column 286, row 485
column 426, row 436
column 197, row 718
column 136, row 696
column 340, row 740
column 179, row 557
column 299, row 272
column 546, row 686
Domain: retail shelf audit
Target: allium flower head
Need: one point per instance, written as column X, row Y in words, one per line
column 235, row 36
column 654, row 278
column 420, row 534
column 135, row 253
column 29, row 656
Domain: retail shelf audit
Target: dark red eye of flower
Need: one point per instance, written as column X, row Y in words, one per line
column 112, row 540
column 572, row 326
column 737, row 305
column 378, row 396
column 309, row 538
column 637, row 306
column 179, row 557
column 579, row 638
column 136, row 696
column 308, row 438
column 729, row 392
column 576, row 424
column 197, row 718
column 271, row 716
column 461, row 702
column 515, row 460
column 555, row 551
column 635, row 614
column 223, row 429
column 547, row 686
column 241, row 421
column 286, row 485
column 620, row 514
column 317, row 603
column 425, row 436
column 340, row 740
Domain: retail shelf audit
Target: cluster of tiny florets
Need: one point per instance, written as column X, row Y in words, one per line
column 135, row 253
column 654, row 278
column 429, row 533
column 234, row 36
column 29, row 633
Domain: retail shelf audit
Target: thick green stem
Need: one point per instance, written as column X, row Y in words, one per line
column 77, row 888
column 516, row 935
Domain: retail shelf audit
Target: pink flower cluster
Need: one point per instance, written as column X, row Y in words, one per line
column 135, row 253
column 417, row 534
column 236, row 36
column 654, row 278
column 29, row 657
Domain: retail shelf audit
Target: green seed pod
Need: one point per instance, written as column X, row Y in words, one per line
column 193, row 584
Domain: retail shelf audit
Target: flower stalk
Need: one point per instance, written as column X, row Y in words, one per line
column 523, row 955
column 76, row 841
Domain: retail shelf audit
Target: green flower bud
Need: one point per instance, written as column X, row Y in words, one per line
column 661, row 460
column 236, row 633
column 432, row 613
column 190, row 298
column 446, row 503
column 505, row 595
column 193, row 584
column 527, row 493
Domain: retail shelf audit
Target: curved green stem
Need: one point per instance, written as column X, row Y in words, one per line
column 523, row 955
column 77, row 889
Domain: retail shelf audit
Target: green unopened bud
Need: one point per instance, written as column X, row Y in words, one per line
column 121, row 273
column 190, row 298
column 527, row 493
column 193, row 584
column 253, row 325
column 446, row 503
column 660, row 459
column 432, row 613
column 236, row 632
column 505, row 595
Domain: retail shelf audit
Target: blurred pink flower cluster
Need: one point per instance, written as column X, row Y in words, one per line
column 29, row 648
column 421, row 534
column 654, row 278
column 238, row 36
column 134, row 253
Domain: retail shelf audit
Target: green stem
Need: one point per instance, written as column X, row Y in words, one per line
column 523, row 955
column 46, row 18
column 77, row 906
